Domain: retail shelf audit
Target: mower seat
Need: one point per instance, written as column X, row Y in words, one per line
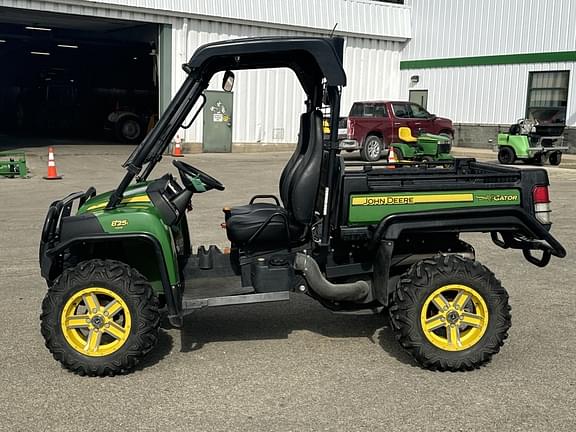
column 405, row 134
column 260, row 227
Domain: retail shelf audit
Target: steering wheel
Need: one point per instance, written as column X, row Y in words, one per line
column 208, row 180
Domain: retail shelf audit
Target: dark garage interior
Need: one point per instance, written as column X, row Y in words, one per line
column 68, row 76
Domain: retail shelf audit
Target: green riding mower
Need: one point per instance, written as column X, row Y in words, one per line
column 358, row 238
column 531, row 142
column 425, row 147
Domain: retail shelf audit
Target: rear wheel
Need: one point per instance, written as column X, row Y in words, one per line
column 506, row 156
column 555, row 158
column 129, row 130
column 450, row 313
column 100, row 318
column 372, row 149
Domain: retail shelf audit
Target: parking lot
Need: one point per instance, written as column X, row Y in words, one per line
column 286, row 366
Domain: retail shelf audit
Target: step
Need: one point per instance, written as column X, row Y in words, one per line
column 189, row 304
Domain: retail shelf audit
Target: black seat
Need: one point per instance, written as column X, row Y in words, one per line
column 286, row 176
column 266, row 226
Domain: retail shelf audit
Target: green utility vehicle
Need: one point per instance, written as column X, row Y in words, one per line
column 425, row 147
column 358, row 238
column 531, row 142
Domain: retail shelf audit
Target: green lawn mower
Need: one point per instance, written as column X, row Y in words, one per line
column 426, row 147
column 531, row 142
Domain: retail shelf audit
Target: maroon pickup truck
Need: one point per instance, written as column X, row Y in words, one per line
column 373, row 125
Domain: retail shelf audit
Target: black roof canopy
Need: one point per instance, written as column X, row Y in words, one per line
column 312, row 59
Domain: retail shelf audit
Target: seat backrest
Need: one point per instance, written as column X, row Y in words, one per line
column 303, row 186
column 296, row 158
column 405, row 134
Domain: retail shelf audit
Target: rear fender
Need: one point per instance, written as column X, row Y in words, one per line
column 528, row 231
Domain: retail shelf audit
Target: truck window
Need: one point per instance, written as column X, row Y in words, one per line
column 380, row 111
column 419, row 112
column 401, row 110
column 357, row 110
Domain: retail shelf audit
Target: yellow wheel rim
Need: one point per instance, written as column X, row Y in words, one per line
column 454, row 317
column 96, row 322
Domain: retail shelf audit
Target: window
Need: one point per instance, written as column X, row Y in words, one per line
column 548, row 96
column 357, row 110
column 380, row 111
column 401, row 110
column 419, row 112
column 368, row 110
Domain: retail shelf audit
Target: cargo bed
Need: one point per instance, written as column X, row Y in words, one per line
column 381, row 201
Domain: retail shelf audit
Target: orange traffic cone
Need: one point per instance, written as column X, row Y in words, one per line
column 177, row 148
column 392, row 158
column 52, row 172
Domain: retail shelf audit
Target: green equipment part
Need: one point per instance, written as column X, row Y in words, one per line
column 13, row 164
column 426, row 146
column 532, row 143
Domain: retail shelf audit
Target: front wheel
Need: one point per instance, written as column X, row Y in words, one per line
column 100, row 318
column 450, row 313
column 506, row 156
column 372, row 149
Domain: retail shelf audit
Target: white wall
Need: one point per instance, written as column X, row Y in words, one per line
column 463, row 28
column 484, row 94
column 360, row 17
column 273, row 99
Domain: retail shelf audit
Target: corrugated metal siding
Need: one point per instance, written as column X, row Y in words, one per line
column 377, row 19
column 269, row 100
column 462, row 28
column 484, row 94
column 85, row 8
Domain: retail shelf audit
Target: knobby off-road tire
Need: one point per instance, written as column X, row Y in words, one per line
column 450, row 313
column 100, row 318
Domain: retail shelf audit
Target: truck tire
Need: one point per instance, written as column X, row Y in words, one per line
column 129, row 129
column 506, row 155
column 100, row 318
column 450, row 313
column 372, row 149
column 555, row 158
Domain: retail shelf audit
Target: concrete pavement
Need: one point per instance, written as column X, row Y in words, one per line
column 290, row 366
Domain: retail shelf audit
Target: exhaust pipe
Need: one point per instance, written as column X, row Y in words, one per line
column 325, row 289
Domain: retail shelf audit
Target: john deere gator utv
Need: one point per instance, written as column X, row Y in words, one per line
column 358, row 238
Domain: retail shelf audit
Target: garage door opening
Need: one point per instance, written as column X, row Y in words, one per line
column 68, row 76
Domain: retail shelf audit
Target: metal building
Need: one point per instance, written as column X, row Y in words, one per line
column 266, row 103
column 486, row 64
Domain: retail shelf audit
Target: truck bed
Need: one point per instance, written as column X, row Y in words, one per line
column 373, row 192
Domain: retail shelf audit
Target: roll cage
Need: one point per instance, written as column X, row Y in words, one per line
column 317, row 62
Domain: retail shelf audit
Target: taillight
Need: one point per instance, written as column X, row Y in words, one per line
column 541, row 199
column 350, row 128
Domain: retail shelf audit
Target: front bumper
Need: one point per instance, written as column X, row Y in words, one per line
column 349, row 144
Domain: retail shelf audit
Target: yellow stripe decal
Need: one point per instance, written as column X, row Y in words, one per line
column 379, row 200
column 128, row 200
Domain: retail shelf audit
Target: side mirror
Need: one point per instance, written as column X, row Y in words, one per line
column 433, row 116
column 228, row 81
